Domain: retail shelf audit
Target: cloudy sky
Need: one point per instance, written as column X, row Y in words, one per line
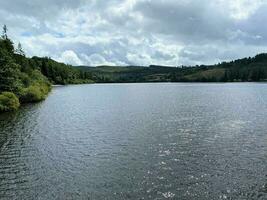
column 137, row 32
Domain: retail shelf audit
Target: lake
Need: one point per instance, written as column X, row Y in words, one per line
column 138, row 141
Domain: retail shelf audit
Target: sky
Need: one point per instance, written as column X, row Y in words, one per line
column 137, row 32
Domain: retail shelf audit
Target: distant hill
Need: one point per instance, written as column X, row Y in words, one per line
column 246, row 69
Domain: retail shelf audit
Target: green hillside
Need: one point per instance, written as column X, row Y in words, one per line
column 247, row 69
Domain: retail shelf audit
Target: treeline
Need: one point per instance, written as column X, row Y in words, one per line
column 130, row 74
column 24, row 80
column 247, row 69
column 56, row 73
column 60, row 73
column 242, row 70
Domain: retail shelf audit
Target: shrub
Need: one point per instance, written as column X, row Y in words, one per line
column 8, row 102
column 35, row 93
column 32, row 94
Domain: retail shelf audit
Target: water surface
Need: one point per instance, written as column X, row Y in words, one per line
column 138, row 141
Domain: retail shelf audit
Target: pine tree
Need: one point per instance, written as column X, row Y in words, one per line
column 6, row 42
column 4, row 34
column 9, row 72
column 19, row 50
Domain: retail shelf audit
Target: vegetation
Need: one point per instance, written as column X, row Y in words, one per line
column 59, row 73
column 37, row 90
column 24, row 80
column 247, row 69
column 8, row 102
column 130, row 74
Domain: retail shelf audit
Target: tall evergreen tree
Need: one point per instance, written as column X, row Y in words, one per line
column 9, row 73
column 4, row 34
column 19, row 50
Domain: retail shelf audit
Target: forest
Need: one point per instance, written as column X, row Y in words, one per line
column 24, row 80
column 241, row 70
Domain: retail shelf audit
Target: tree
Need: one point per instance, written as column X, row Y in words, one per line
column 9, row 74
column 4, row 34
column 19, row 50
column 9, row 70
column 5, row 42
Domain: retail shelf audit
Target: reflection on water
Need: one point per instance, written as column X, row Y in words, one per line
column 138, row 141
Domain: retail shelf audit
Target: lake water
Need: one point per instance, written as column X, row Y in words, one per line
column 138, row 141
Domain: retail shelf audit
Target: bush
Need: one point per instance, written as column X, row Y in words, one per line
column 35, row 93
column 32, row 94
column 8, row 102
column 37, row 89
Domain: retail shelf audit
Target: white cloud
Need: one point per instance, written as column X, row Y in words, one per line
column 141, row 32
column 70, row 57
column 242, row 9
column 96, row 59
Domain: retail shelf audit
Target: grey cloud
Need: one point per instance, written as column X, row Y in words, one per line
column 215, row 53
column 197, row 21
column 44, row 9
column 137, row 32
column 255, row 28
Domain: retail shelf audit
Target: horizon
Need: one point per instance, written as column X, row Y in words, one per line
column 137, row 32
column 180, row 66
